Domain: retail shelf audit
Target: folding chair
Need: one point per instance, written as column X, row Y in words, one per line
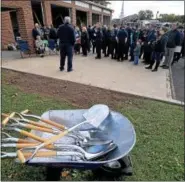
column 52, row 45
column 24, row 48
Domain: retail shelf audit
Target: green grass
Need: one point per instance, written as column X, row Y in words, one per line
column 157, row 155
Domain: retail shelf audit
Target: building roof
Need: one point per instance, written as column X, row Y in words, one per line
column 99, row 5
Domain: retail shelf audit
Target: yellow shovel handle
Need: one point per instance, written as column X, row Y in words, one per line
column 5, row 121
column 30, row 126
column 55, row 138
column 21, row 156
column 53, row 123
column 35, row 137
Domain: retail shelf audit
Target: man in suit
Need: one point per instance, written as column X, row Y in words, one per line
column 99, row 37
column 66, row 35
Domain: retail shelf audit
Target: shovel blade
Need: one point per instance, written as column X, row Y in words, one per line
column 96, row 114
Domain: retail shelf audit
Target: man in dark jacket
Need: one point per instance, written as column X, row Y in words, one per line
column 99, row 37
column 174, row 40
column 122, row 39
column 114, row 44
column 151, row 35
column 127, row 45
column 159, row 49
column 66, row 36
column 52, row 33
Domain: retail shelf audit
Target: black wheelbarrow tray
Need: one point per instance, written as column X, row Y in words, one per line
column 116, row 126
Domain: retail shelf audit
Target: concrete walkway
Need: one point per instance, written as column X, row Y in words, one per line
column 177, row 79
column 104, row 73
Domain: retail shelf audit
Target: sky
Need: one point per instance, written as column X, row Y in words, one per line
column 132, row 7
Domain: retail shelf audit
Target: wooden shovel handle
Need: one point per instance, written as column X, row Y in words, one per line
column 24, row 141
column 21, row 156
column 41, row 154
column 55, row 138
column 25, row 145
column 39, row 124
column 25, row 111
column 35, row 137
column 31, row 122
column 5, row 121
column 47, row 121
column 30, row 126
column 62, row 127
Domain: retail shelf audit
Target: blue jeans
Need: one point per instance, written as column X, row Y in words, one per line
column 136, row 60
column 132, row 51
column 66, row 50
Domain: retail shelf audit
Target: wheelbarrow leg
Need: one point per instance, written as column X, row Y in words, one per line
column 53, row 174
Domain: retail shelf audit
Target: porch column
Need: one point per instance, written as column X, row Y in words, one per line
column 89, row 15
column 73, row 13
column 26, row 24
column 46, row 11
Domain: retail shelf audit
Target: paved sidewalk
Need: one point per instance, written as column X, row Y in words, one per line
column 177, row 72
column 104, row 73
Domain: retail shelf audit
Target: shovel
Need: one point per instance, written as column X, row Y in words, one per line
column 94, row 116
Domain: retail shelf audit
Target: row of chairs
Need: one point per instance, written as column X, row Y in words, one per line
column 25, row 49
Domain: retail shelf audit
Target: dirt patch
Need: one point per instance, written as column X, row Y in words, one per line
column 78, row 94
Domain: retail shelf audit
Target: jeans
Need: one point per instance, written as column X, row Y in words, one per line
column 66, row 50
column 132, row 52
column 156, row 56
column 136, row 60
column 169, row 53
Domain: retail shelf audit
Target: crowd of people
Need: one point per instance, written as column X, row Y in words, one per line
column 120, row 42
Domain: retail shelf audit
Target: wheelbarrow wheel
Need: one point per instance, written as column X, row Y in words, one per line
column 116, row 169
column 53, row 173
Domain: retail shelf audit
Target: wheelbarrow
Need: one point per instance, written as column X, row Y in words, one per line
column 116, row 126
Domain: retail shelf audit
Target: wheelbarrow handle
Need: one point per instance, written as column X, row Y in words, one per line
column 5, row 121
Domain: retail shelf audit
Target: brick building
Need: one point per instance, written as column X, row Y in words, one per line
column 20, row 16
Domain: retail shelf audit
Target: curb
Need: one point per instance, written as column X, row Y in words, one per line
column 165, row 100
column 171, row 83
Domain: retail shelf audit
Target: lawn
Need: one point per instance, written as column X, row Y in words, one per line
column 158, row 153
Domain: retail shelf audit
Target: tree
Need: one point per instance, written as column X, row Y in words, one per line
column 171, row 18
column 145, row 15
column 149, row 14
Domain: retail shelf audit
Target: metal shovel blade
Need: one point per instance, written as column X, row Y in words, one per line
column 96, row 114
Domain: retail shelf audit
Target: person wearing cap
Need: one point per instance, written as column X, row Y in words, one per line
column 66, row 35
column 174, row 40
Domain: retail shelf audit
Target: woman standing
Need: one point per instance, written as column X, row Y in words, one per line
column 78, row 40
column 84, row 41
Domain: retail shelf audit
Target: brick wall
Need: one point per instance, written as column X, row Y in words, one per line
column 6, row 30
column 25, row 18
